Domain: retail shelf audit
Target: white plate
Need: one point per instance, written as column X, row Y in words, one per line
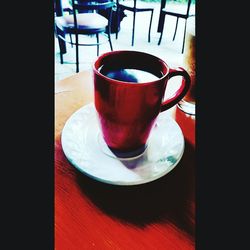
column 84, row 147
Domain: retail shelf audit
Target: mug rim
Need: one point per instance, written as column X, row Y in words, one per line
column 114, row 81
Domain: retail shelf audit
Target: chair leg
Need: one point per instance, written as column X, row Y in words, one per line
column 71, row 40
column 110, row 42
column 61, row 54
column 175, row 28
column 117, row 21
column 61, row 57
column 159, row 42
column 184, row 37
column 163, row 18
column 150, row 24
column 133, row 31
column 97, row 40
column 62, row 44
column 77, row 55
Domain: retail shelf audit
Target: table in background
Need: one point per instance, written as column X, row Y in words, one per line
column 94, row 215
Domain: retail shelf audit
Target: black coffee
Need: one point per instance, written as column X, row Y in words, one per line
column 129, row 75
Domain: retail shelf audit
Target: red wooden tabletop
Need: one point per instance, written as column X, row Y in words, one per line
column 94, row 215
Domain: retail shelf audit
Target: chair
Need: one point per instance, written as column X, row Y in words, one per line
column 178, row 13
column 134, row 6
column 85, row 20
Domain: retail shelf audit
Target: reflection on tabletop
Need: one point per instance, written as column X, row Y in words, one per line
column 187, row 124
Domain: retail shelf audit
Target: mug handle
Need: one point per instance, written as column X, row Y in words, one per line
column 181, row 91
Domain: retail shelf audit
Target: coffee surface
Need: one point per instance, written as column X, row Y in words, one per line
column 129, row 75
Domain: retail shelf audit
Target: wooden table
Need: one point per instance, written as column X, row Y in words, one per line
column 94, row 215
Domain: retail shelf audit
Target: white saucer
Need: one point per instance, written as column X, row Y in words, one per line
column 84, row 147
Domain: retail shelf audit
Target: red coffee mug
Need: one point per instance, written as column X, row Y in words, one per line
column 127, row 111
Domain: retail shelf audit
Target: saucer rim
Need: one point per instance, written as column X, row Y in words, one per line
column 119, row 183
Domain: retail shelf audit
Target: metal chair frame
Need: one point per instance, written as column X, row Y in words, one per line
column 185, row 16
column 122, row 6
column 88, row 6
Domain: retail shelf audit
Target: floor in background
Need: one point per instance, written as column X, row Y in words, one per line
column 168, row 50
